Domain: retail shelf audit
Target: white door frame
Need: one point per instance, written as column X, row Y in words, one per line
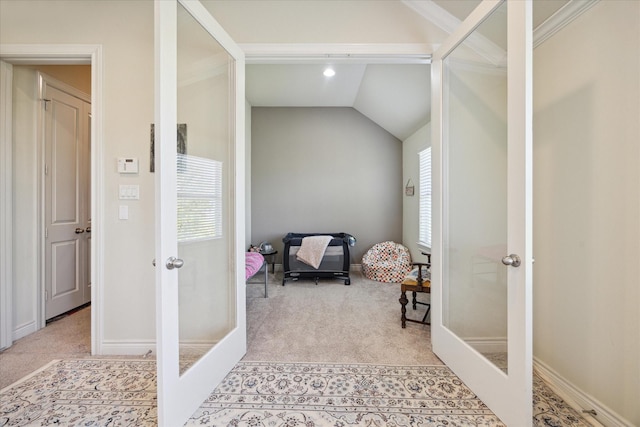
column 61, row 54
column 6, row 206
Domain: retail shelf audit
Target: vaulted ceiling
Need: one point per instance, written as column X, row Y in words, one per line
column 395, row 96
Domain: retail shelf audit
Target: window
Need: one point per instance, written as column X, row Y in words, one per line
column 199, row 198
column 424, row 238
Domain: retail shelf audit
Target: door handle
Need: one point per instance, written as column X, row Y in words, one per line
column 174, row 262
column 88, row 229
column 513, row 260
column 79, row 230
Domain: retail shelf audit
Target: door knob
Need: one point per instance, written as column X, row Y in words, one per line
column 79, row 230
column 174, row 262
column 513, row 260
column 88, row 229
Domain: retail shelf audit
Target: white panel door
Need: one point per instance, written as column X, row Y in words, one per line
column 67, row 201
column 199, row 167
column 482, row 251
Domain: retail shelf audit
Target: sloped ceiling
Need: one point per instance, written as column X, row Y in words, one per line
column 395, row 96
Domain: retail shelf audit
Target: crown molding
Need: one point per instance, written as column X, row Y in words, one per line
column 565, row 15
column 449, row 23
column 484, row 47
column 297, row 53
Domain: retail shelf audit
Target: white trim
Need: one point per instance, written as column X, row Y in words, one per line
column 47, row 53
column 81, row 54
column 312, row 53
column 23, row 330
column 578, row 399
column 449, row 23
column 488, row 344
column 435, row 14
column 97, row 200
column 6, row 205
column 128, row 347
column 563, row 17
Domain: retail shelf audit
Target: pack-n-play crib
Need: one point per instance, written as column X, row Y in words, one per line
column 334, row 265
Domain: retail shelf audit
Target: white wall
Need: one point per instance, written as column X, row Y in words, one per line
column 322, row 21
column 324, row 170
column 128, row 286
column 587, row 206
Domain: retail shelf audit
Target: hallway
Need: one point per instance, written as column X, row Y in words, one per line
column 67, row 337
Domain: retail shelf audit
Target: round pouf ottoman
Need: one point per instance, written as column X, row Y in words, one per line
column 386, row 262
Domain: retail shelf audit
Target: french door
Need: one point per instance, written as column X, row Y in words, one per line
column 198, row 158
column 482, row 254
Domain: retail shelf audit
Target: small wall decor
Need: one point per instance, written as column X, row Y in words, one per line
column 181, row 144
column 409, row 189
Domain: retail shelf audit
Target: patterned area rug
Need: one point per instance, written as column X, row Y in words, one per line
column 99, row 392
column 85, row 392
column 342, row 395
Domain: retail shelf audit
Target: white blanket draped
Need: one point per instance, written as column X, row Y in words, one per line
column 312, row 250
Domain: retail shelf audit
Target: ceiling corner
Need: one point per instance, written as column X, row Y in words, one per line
column 434, row 13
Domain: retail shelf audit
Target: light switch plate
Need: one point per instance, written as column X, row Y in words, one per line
column 123, row 212
column 129, row 192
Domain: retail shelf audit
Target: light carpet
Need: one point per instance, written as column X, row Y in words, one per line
column 91, row 392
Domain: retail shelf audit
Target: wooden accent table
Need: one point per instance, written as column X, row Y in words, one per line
column 415, row 285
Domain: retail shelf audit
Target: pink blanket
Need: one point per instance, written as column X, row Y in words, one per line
column 252, row 263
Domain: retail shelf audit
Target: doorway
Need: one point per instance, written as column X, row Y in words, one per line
column 66, row 122
column 24, row 309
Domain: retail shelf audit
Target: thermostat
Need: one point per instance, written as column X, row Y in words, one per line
column 127, row 165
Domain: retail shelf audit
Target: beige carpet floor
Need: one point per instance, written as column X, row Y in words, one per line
column 69, row 337
column 333, row 323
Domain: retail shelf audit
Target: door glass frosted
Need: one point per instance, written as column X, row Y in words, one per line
column 475, row 129
column 204, row 166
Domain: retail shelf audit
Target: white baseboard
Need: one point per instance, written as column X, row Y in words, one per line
column 488, row 344
column 127, row 348
column 578, row 399
column 24, row 330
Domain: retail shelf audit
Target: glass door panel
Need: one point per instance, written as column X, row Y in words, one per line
column 475, row 111
column 204, row 170
column 482, row 252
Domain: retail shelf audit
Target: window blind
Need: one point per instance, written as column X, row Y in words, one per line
column 424, row 237
column 199, row 187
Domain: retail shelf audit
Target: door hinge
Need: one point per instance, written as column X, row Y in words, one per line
column 45, row 103
column 46, row 169
column 46, row 233
column 46, row 295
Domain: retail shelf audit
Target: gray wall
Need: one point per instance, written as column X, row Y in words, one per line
column 324, row 170
column 413, row 145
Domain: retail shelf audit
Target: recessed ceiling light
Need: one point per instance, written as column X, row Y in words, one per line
column 329, row 72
